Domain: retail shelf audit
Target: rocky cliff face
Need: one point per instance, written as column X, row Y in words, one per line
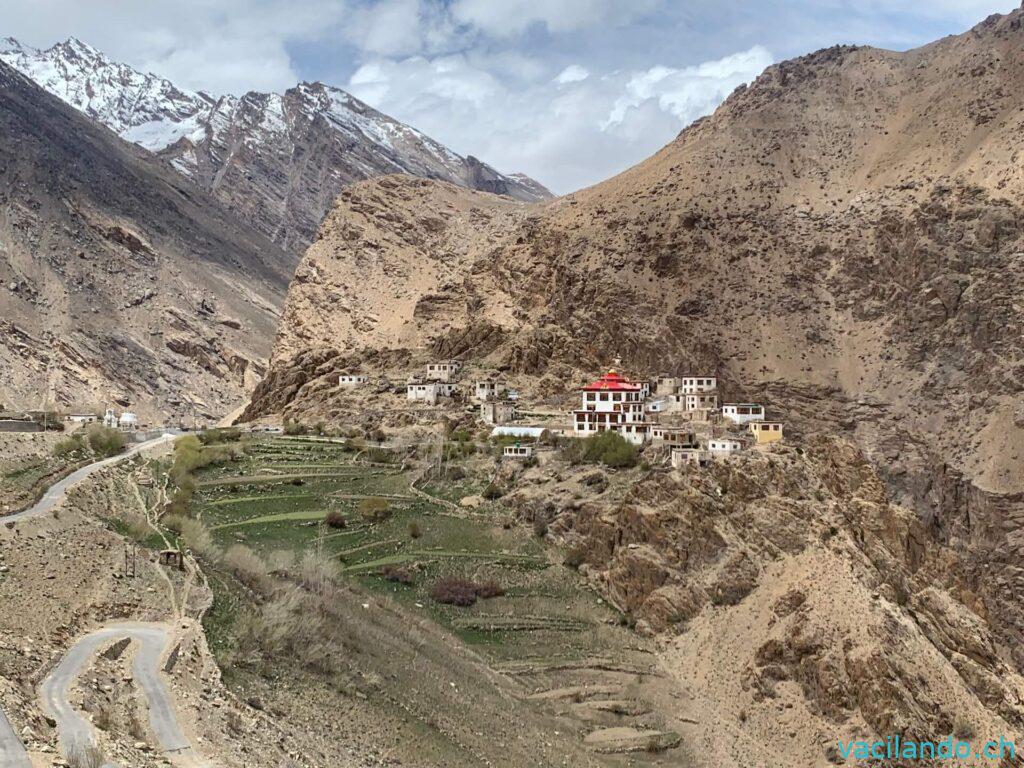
column 276, row 160
column 120, row 282
column 807, row 607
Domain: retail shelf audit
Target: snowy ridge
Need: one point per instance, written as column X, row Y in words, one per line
column 152, row 112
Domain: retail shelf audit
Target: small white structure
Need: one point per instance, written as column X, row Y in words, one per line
column 722, row 447
column 487, row 389
column 110, row 419
column 512, row 394
column 656, row 406
column 429, row 392
column 128, row 421
column 743, row 413
column 352, row 380
column 445, row 370
column 82, row 418
column 690, row 385
column 531, row 432
column 682, row 457
column 517, row 451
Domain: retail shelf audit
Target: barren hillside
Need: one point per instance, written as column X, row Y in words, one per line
column 840, row 240
column 119, row 281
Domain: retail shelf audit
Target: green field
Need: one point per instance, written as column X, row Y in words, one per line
column 277, row 496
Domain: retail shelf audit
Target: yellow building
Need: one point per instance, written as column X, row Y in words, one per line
column 766, row 431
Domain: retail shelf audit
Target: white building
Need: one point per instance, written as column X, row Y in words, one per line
column 613, row 403
column 699, row 401
column 445, row 370
column 488, row 389
column 743, row 413
column 352, row 380
column 429, row 392
column 689, row 385
column 82, row 418
column 128, row 421
column 110, row 419
column 518, row 451
column 656, row 406
column 722, row 447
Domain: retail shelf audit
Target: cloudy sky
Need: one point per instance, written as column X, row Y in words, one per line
column 567, row 91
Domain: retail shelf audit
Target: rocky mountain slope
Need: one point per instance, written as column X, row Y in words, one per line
column 121, row 282
column 840, row 240
column 277, row 160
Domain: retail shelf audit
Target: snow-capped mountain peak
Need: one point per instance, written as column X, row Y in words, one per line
column 279, row 158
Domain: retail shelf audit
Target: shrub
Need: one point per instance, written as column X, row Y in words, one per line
column 454, row 591
column 608, row 448
column 540, row 527
column 69, row 447
column 85, row 756
column 491, row 492
column 335, row 519
column 374, row 509
column 292, row 427
column 397, row 574
column 489, row 589
column 414, row 530
column 104, row 441
column 247, row 566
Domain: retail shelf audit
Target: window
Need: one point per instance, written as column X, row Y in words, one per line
column 604, row 397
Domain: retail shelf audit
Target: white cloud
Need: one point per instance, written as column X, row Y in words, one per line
column 574, row 73
column 503, row 18
column 568, row 131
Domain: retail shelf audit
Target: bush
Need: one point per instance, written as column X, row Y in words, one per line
column 454, row 591
column 492, row 492
column 335, row 519
column 374, row 509
column 248, row 567
column 69, row 447
column 608, row 448
column 489, row 589
column 292, row 427
column 104, row 441
column 414, row 530
column 397, row 574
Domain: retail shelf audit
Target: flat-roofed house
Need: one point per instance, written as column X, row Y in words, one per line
column 429, row 391
column 722, row 447
column 683, row 457
column 487, row 389
column 689, row 385
column 697, row 401
column 497, row 411
column 517, row 451
column 743, row 413
column 352, row 380
column 672, row 436
column 765, row 431
column 444, row 370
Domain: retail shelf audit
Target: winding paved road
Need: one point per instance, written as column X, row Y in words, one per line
column 74, row 730
column 12, row 753
column 152, row 639
column 55, row 494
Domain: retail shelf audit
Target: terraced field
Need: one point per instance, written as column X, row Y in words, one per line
column 279, row 496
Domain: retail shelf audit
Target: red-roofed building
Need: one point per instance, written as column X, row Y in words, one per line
column 614, row 403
